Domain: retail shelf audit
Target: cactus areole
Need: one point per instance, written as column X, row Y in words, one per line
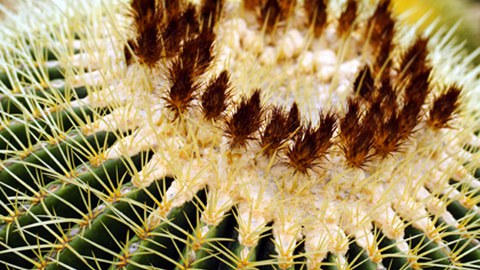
column 257, row 134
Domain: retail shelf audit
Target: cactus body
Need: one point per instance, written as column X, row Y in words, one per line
column 235, row 135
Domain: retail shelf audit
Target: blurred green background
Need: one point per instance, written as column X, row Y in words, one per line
column 449, row 12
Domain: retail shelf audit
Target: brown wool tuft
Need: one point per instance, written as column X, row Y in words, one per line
column 444, row 108
column 147, row 46
column 276, row 131
column 418, row 88
column 414, row 60
column 416, row 92
column 387, row 93
column 172, row 8
column 293, row 119
column 349, row 122
column 210, row 13
column 270, row 14
column 316, row 11
column 287, row 7
column 387, row 139
column 197, row 53
column 178, row 29
column 127, row 51
column 381, row 30
column 183, row 88
column 215, row 98
column 252, row 5
column 409, row 118
column 310, row 145
column 364, row 84
column 382, row 114
column 374, row 113
column 245, row 121
column 274, row 11
column 141, row 9
column 357, row 151
column 347, row 18
column 356, row 137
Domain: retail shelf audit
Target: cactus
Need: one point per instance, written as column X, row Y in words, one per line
column 256, row 134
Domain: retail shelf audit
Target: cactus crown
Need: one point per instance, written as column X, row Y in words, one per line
column 251, row 134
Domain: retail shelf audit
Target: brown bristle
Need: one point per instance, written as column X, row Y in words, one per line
column 387, row 139
column 356, row 138
column 147, row 45
column 416, row 92
column 251, row 4
column 418, row 88
column 286, row 8
column 316, row 11
column 328, row 124
column 270, row 14
column 409, row 118
column 276, row 131
column 127, row 48
column 210, row 13
column 383, row 62
column 178, row 29
column 357, row 150
column 311, row 145
column 347, row 18
column 189, row 21
column 182, row 90
column 389, row 105
column 374, row 113
column 382, row 114
column 444, row 107
column 293, row 119
column 414, row 60
column 142, row 9
column 215, row 98
column 172, row 8
column 349, row 122
column 198, row 52
column 364, row 84
column 245, row 121
column 381, row 28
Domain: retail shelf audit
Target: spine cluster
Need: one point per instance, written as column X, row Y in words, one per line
column 389, row 101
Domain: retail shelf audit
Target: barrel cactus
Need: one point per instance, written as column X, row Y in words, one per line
column 257, row 134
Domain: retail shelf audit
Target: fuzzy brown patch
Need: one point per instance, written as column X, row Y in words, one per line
column 127, row 51
column 316, row 11
column 210, row 13
column 216, row 97
column 356, row 136
column 413, row 60
column 381, row 31
column 444, row 108
column 252, row 5
column 346, row 21
column 279, row 129
column 364, row 84
column 245, row 121
column 311, row 145
column 197, row 53
column 293, row 119
column 274, row 11
column 146, row 19
column 183, row 88
column 178, row 29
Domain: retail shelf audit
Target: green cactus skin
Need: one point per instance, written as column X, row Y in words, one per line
column 100, row 169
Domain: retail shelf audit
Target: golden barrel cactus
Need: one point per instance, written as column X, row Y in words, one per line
column 216, row 134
